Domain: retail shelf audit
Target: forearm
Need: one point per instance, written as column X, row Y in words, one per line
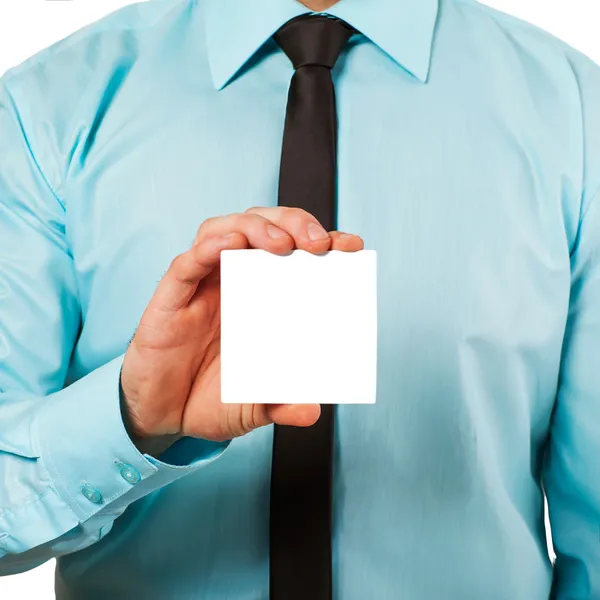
column 66, row 451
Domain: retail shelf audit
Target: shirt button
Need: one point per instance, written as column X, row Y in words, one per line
column 91, row 493
column 129, row 474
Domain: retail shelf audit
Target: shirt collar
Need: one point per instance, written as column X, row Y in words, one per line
column 236, row 29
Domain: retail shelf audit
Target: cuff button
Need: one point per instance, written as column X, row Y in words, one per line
column 130, row 475
column 91, row 493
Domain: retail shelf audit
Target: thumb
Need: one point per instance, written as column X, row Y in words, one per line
column 298, row 415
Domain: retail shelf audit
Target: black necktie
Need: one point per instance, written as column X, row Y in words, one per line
column 301, row 477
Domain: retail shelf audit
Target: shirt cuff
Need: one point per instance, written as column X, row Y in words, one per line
column 89, row 455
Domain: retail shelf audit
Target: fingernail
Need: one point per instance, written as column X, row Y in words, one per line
column 275, row 232
column 346, row 236
column 316, row 232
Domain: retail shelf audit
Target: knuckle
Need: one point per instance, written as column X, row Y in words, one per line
column 302, row 213
column 205, row 226
column 245, row 220
column 178, row 262
column 288, row 211
column 298, row 216
column 240, row 218
column 239, row 222
column 300, row 219
column 213, row 224
column 208, row 223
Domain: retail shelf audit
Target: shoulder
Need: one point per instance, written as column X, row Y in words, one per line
column 525, row 37
column 91, row 52
column 563, row 81
column 57, row 93
column 91, row 43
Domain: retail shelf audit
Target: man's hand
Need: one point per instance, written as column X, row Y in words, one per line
column 171, row 373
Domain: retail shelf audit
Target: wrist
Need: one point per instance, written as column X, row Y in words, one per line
column 155, row 446
column 146, row 444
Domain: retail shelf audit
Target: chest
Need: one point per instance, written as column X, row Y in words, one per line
column 465, row 215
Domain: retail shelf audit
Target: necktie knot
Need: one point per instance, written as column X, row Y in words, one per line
column 313, row 40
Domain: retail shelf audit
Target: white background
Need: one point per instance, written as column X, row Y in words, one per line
column 27, row 26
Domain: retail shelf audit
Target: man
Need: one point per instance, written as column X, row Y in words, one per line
column 468, row 156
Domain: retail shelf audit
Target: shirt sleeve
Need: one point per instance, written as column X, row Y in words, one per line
column 572, row 465
column 572, row 477
column 68, row 468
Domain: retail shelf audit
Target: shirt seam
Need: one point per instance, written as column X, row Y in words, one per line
column 67, row 245
column 164, row 467
column 584, row 210
column 593, row 200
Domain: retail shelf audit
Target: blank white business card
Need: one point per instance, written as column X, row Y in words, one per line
column 298, row 329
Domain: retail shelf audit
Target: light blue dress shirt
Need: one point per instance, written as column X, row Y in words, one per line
column 469, row 158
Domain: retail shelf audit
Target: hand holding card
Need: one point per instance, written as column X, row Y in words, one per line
column 170, row 383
